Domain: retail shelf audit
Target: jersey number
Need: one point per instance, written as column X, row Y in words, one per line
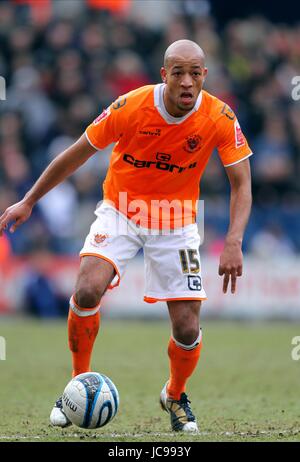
column 120, row 103
column 228, row 112
column 189, row 261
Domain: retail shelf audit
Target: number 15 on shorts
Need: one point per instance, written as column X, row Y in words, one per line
column 189, row 259
column 190, row 264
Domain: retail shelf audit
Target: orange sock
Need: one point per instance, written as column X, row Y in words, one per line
column 183, row 361
column 83, row 326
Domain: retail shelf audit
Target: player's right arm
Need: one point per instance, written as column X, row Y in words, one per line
column 105, row 129
column 57, row 171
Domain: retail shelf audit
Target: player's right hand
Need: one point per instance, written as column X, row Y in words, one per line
column 16, row 214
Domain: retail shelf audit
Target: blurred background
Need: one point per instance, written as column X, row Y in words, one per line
column 64, row 61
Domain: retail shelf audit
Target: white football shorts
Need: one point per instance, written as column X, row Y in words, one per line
column 172, row 262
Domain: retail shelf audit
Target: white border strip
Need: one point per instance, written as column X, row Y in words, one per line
column 95, row 147
column 83, row 313
column 238, row 161
column 193, row 345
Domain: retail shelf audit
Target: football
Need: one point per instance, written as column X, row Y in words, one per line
column 90, row 400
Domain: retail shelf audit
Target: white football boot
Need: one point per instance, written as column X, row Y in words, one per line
column 57, row 417
column 182, row 418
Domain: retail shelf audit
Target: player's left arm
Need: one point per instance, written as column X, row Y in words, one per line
column 231, row 259
column 234, row 152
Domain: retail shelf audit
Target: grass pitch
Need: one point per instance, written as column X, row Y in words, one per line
column 246, row 387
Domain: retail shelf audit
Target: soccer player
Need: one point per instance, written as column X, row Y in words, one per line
column 164, row 137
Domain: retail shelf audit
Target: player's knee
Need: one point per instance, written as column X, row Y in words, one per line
column 88, row 297
column 186, row 334
column 185, row 321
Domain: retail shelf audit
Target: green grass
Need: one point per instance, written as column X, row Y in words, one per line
column 246, row 387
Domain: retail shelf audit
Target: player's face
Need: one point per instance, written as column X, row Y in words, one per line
column 184, row 79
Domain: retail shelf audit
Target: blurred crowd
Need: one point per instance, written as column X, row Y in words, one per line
column 62, row 71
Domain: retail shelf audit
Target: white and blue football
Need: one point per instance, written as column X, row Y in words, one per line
column 90, row 400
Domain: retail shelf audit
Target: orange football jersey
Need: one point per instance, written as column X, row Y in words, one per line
column 158, row 160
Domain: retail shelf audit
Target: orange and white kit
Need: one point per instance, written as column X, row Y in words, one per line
column 156, row 158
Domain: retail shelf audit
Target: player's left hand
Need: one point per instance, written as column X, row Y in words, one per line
column 231, row 265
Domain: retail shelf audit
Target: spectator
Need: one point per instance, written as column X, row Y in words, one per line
column 273, row 162
column 41, row 297
column 271, row 242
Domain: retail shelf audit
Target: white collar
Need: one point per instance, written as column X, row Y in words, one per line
column 160, row 105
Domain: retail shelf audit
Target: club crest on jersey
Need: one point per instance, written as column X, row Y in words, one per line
column 104, row 114
column 99, row 240
column 239, row 137
column 192, row 143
